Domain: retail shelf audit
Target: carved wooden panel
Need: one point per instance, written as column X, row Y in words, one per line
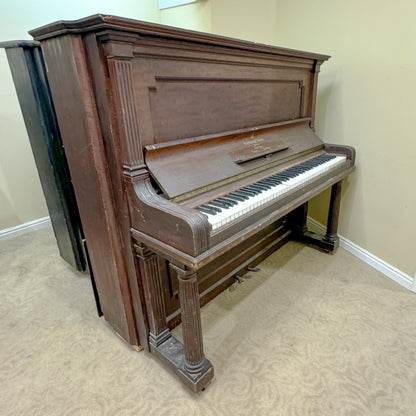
column 189, row 107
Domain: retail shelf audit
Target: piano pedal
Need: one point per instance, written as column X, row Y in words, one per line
column 253, row 269
column 239, row 279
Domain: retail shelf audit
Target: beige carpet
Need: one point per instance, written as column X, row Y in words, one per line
column 311, row 334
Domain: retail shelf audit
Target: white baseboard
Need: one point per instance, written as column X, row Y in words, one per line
column 24, row 228
column 388, row 270
column 413, row 286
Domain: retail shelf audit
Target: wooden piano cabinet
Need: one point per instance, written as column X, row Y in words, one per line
column 157, row 121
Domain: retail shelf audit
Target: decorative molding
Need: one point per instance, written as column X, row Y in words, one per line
column 122, row 73
column 24, row 228
column 148, row 263
column 388, row 270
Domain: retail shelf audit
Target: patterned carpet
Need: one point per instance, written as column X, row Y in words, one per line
column 310, row 334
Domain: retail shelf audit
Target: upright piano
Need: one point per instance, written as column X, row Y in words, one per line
column 193, row 157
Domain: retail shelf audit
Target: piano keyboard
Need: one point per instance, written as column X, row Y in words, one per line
column 235, row 204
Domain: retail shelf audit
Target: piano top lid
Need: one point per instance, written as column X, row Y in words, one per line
column 9, row 44
column 98, row 22
column 187, row 167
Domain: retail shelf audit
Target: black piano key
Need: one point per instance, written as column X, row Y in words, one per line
column 254, row 189
column 218, row 204
column 259, row 187
column 275, row 178
column 210, row 207
column 206, row 211
column 248, row 192
column 227, row 200
column 270, row 182
column 223, row 204
column 298, row 169
column 243, row 194
column 264, row 184
column 284, row 176
column 236, row 197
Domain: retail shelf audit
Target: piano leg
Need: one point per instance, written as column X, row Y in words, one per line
column 148, row 263
column 196, row 366
column 187, row 360
column 331, row 235
column 298, row 219
column 328, row 242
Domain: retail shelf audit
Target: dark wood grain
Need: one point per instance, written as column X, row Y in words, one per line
column 78, row 121
column 29, row 76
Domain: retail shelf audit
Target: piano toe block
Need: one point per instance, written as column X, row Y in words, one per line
column 323, row 242
column 172, row 354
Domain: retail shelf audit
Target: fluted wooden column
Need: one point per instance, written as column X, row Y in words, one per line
column 153, row 294
column 191, row 321
column 333, row 214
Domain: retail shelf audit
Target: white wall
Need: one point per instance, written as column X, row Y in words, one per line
column 366, row 98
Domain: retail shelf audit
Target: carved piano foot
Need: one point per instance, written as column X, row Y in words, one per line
column 171, row 353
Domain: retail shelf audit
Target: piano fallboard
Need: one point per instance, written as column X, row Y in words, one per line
column 201, row 164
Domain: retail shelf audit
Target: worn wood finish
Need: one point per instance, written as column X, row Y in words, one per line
column 78, row 121
column 218, row 275
column 191, row 320
column 298, row 219
column 158, row 120
column 328, row 242
column 333, row 215
column 29, row 77
column 224, row 159
column 111, row 131
column 153, row 294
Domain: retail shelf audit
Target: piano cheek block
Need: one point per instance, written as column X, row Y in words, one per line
column 185, row 230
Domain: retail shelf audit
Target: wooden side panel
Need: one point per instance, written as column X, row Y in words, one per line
column 26, row 64
column 77, row 116
column 112, row 88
